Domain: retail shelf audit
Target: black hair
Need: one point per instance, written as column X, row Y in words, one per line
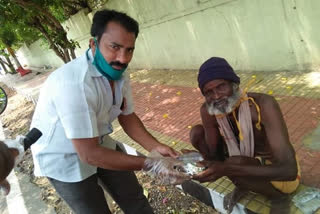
column 103, row 17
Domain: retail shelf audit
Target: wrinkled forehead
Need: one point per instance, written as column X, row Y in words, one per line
column 215, row 83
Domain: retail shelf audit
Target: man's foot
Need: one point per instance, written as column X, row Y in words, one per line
column 231, row 199
column 280, row 205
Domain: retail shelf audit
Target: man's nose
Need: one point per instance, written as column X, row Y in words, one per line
column 215, row 95
column 123, row 57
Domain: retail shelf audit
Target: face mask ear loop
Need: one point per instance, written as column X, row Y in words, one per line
column 96, row 44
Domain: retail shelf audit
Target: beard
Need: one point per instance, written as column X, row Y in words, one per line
column 225, row 105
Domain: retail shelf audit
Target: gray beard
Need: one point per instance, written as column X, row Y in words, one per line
column 214, row 109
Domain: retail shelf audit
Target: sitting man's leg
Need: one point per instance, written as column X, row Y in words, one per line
column 279, row 200
column 82, row 197
column 125, row 189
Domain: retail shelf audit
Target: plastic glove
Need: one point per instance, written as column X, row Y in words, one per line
column 18, row 145
column 166, row 169
column 4, row 187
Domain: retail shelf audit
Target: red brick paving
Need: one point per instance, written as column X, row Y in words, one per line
column 164, row 110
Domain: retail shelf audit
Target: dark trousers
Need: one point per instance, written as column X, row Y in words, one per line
column 87, row 196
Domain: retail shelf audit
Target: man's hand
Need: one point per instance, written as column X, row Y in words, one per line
column 165, row 169
column 166, row 151
column 134, row 128
column 213, row 172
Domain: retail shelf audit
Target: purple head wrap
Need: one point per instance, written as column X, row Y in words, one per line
column 216, row 68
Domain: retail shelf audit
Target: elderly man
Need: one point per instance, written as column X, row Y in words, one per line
column 243, row 137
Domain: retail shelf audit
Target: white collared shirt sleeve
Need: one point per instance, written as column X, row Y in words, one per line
column 76, row 110
column 127, row 94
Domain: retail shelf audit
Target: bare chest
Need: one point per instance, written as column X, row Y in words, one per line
column 260, row 138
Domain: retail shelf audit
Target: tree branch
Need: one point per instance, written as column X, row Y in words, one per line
column 4, row 62
column 28, row 5
column 38, row 25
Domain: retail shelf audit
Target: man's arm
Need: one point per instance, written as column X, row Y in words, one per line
column 283, row 167
column 135, row 129
column 212, row 134
column 91, row 152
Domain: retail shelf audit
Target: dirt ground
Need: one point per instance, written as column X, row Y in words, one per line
column 16, row 120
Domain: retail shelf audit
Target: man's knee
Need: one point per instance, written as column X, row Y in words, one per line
column 197, row 134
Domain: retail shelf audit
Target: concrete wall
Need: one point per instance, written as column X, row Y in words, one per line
column 266, row 35
column 38, row 54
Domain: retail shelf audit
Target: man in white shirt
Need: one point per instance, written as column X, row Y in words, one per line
column 76, row 106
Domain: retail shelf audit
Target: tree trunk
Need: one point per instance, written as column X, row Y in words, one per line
column 73, row 54
column 3, row 66
column 10, row 65
column 4, row 62
column 11, row 52
column 66, row 55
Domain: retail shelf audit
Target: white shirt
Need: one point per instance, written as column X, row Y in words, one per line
column 75, row 102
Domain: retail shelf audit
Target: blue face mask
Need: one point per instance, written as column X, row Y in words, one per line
column 103, row 66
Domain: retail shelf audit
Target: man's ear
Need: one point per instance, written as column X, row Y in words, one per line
column 92, row 45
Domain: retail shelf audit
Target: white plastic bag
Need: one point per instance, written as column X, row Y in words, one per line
column 308, row 200
column 165, row 169
column 16, row 144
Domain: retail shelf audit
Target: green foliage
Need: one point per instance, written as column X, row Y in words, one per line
column 14, row 30
column 2, row 52
column 7, row 37
column 26, row 21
